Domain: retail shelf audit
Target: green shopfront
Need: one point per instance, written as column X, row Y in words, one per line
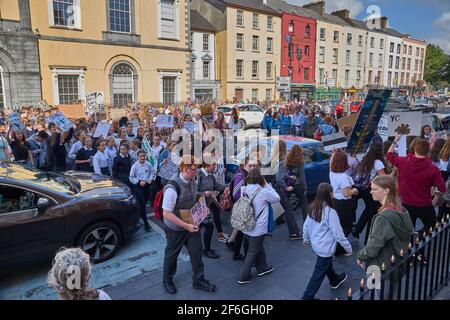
column 302, row 91
column 329, row 93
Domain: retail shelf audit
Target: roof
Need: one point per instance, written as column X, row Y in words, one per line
column 394, row 33
column 256, row 5
column 284, row 7
column 198, row 22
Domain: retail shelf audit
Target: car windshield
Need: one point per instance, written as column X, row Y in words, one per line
column 421, row 101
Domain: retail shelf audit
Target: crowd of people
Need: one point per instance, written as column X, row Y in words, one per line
column 396, row 190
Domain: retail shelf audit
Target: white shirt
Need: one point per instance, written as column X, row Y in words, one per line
column 74, row 149
column 260, row 206
column 101, row 160
column 378, row 165
column 170, row 197
column 443, row 165
column 340, row 181
column 141, row 172
column 156, row 151
column 352, row 163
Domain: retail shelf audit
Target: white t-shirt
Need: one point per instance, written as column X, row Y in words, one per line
column 378, row 165
column 170, row 197
column 443, row 165
column 340, row 181
column 352, row 163
column 102, row 295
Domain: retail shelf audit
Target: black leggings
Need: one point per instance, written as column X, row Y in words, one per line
column 238, row 243
column 303, row 202
column 216, row 215
column 426, row 214
column 207, row 235
column 367, row 215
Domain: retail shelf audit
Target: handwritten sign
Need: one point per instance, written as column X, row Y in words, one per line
column 189, row 126
column 72, row 111
column 169, row 170
column 95, row 102
column 102, row 130
column 164, row 121
column 15, row 122
column 199, row 212
column 411, row 121
column 60, row 120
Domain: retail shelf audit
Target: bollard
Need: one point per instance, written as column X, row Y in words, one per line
column 349, row 294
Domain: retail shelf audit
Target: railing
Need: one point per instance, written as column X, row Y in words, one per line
column 418, row 275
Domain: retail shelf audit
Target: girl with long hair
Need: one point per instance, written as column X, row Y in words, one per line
column 295, row 165
column 220, row 123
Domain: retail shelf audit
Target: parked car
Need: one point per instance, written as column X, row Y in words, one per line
column 250, row 115
column 423, row 105
column 355, row 106
column 40, row 212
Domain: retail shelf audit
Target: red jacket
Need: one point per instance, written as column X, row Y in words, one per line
column 416, row 178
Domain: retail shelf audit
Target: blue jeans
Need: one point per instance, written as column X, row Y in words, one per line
column 324, row 267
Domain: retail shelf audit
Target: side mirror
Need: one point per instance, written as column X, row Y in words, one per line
column 42, row 205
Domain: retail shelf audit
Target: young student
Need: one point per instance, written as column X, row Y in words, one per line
column 322, row 230
column 84, row 157
column 101, row 161
column 141, row 176
column 111, row 150
column 134, row 150
column 122, row 166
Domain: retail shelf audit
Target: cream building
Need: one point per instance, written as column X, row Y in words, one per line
column 133, row 50
column 412, row 61
column 248, row 47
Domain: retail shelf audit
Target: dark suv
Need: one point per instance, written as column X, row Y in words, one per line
column 40, row 212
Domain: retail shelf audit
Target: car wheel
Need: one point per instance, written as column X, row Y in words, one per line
column 100, row 240
column 243, row 124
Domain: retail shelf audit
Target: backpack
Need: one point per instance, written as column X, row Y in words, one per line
column 226, row 201
column 157, row 204
column 361, row 181
column 243, row 216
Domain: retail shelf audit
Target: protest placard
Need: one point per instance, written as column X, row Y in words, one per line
column 199, row 212
column 334, row 141
column 102, row 130
column 164, row 121
column 44, row 106
column 60, row 120
column 168, row 170
column 15, row 122
column 409, row 121
column 189, row 126
column 348, row 121
column 72, row 111
column 95, row 102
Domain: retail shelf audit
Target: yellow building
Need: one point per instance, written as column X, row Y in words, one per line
column 132, row 50
column 248, row 47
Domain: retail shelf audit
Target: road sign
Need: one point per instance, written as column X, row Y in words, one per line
column 284, row 84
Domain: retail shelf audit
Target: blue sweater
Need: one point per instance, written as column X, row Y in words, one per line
column 285, row 124
column 267, row 121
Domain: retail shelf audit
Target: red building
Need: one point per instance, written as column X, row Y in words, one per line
column 298, row 54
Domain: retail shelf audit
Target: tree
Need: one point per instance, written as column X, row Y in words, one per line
column 436, row 66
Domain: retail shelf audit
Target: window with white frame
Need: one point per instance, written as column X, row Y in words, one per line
column 240, row 41
column 168, row 19
column 371, row 60
column 336, row 36
column 205, row 42
column 169, row 89
column 347, row 77
column 381, row 43
column 322, row 54
column 399, row 48
column 205, row 69
column 389, row 79
column 322, row 34
column 254, row 95
column 65, row 13
column 270, row 23
column 68, row 88
column 270, row 45
column 358, row 77
column 321, row 75
column 269, row 70
column 239, row 68
column 255, row 69
column 255, row 21
column 397, row 62
column 240, row 18
column 359, row 58
column 372, row 42
column 334, row 75
column 417, row 52
column 391, row 61
column 360, row 41
column 349, row 39
column 2, row 94
column 335, row 55
column 380, row 60
column 307, row 31
column 255, row 43
column 122, row 85
column 392, row 47
column 269, row 94
column 120, row 16
column 347, row 57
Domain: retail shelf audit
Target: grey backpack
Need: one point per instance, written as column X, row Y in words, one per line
column 242, row 214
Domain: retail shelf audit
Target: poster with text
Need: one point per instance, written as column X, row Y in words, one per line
column 15, row 122
column 199, row 212
column 95, row 102
column 164, row 121
column 168, row 170
column 102, row 130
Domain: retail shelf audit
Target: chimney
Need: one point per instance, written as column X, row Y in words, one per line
column 343, row 14
column 383, row 23
column 318, row 7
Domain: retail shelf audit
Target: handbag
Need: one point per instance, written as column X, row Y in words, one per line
column 318, row 134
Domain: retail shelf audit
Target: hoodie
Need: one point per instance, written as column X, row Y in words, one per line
column 416, row 178
column 390, row 232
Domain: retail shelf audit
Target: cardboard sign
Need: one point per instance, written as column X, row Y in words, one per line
column 349, row 121
column 117, row 114
column 72, row 111
column 368, row 119
column 102, row 130
column 199, row 212
column 95, row 102
column 164, row 121
column 334, row 141
column 189, row 126
column 169, row 170
column 15, row 122
column 44, row 106
column 409, row 123
column 60, row 120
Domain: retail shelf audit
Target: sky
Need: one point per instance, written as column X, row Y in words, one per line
column 427, row 20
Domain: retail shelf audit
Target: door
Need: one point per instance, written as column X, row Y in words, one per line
column 26, row 235
column 239, row 94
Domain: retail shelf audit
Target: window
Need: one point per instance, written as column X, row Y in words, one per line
column 268, row 94
column 410, row 50
column 392, row 47
column 379, row 77
column 269, row 23
column 397, row 62
column 416, row 65
column 306, row 74
column 369, row 80
column 347, row 57
column 321, row 75
column 291, row 27
column 205, row 69
column 120, row 14
column 391, row 61
column 421, row 65
column 239, row 68
column 407, row 78
column 402, row 78
column 191, row 40
column 359, row 59
column 380, row 60
column 255, row 69
column 18, row 200
column 255, row 21
column 360, row 41
column 336, row 37
column 204, row 95
column 417, row 52
column 255, row 43
column 322, row 34
column 169, row 89
column 2, row 96
column 347, row 76
column 396, row 79
column 335, row 55
column 358, row 77
column 422, row 52
column 403, row 63
column 307, row 31
column 389, row 79
column 254, row 95
column 270, row 45
column 409, row 64
column 405, row 48
column 269, row 70
column 349, row 39
column 68, row 89
column 399, row 48
column 372, row 42
column 123, row 85
column 381, row 43
column 240, row 18
column 334, row 75
column 66, row 13
column 306, row 50
column 240, row 41
column 205, row 42
column 322, row 54
column 168, row 19
column 371, row 60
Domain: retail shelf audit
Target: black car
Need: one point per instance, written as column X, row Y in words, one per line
column 40, row 212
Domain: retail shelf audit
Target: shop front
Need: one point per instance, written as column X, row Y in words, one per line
column 330, row 93
column 302, row 91
column 353, row 93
